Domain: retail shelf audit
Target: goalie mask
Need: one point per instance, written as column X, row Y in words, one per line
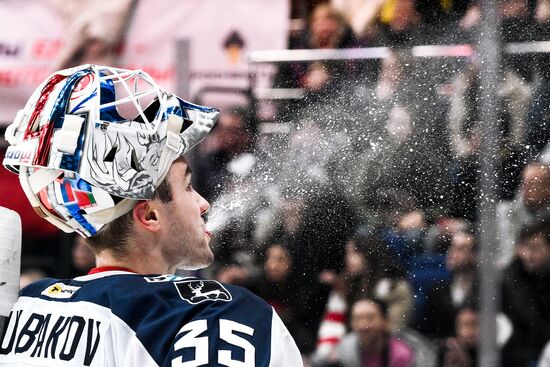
column 94, row 139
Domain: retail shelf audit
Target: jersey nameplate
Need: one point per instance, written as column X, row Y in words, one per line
column 50, row 336
column 196, row 291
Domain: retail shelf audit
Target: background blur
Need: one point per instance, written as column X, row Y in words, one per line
column 344, row 170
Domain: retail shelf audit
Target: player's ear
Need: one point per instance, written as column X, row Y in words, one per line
column 146, row 216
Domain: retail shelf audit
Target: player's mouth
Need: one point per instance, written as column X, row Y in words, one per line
column 208, row 233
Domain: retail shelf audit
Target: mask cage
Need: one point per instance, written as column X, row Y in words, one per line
column 131, row 98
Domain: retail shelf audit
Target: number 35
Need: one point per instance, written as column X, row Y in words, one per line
column 192, row 340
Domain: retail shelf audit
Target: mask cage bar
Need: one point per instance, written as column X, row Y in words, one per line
column 123, row 76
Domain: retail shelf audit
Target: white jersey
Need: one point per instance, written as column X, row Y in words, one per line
column 119, row 318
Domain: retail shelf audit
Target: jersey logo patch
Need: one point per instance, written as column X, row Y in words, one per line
column 60, row 290
column 197, row 291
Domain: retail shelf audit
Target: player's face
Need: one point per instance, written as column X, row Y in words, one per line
column 185, row 236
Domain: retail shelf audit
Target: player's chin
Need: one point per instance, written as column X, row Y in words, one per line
column 197, row 263
column 201, row 260
column 207, row 256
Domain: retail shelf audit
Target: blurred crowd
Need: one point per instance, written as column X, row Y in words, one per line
column 364, row 232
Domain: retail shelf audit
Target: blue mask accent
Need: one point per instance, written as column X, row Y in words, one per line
column 191, row 106
column 83, row 101
column 107, row 95
column 61, row 103
column 57, row 117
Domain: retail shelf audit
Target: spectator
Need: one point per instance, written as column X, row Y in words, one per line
column 400, row 164
column 231, row 139
column 439, row 234
column 517, row 25
column 369, row 270
column 315, row 226
column 525, row 296
column 290, row 219
column 444, row 14
column 95, row 31
column 538, row 121
column 327, row 29
column 279, row 287
column 532, row 200
column 370, row 343
column 361, row 15
column 460, row 350
column 405, row 234
column 403, row 27
column 464, row 135
column 446, row 298
column 514, row 13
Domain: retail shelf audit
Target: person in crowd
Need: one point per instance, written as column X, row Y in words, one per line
column 532, row 200
column 315, row 227
column 537, row 120
column 460, row 350
column 280, row 287
column 441, row 16
column 514, row 98
column 440, row 233
column 444, row 14
column 362, row 16
column 95, row 29
column 515, row 13
column 402, row 167
column 369, row 270
column 371, row 343
column 525, row 296
column 327, row 29
column 447, row 297
column 404, row 233
column 403, row 26
column 464, row 133
column 518, row 25
column 232, row 139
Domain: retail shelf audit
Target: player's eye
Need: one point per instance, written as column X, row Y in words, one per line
column 189, row 188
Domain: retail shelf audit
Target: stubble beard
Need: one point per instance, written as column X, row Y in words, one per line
column 188, row 250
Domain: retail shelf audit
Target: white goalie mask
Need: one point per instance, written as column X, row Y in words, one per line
column 92, row 140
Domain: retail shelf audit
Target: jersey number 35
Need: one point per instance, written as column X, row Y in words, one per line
column 192, row 340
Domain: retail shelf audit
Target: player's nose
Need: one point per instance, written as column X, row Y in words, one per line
column 204, row 205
